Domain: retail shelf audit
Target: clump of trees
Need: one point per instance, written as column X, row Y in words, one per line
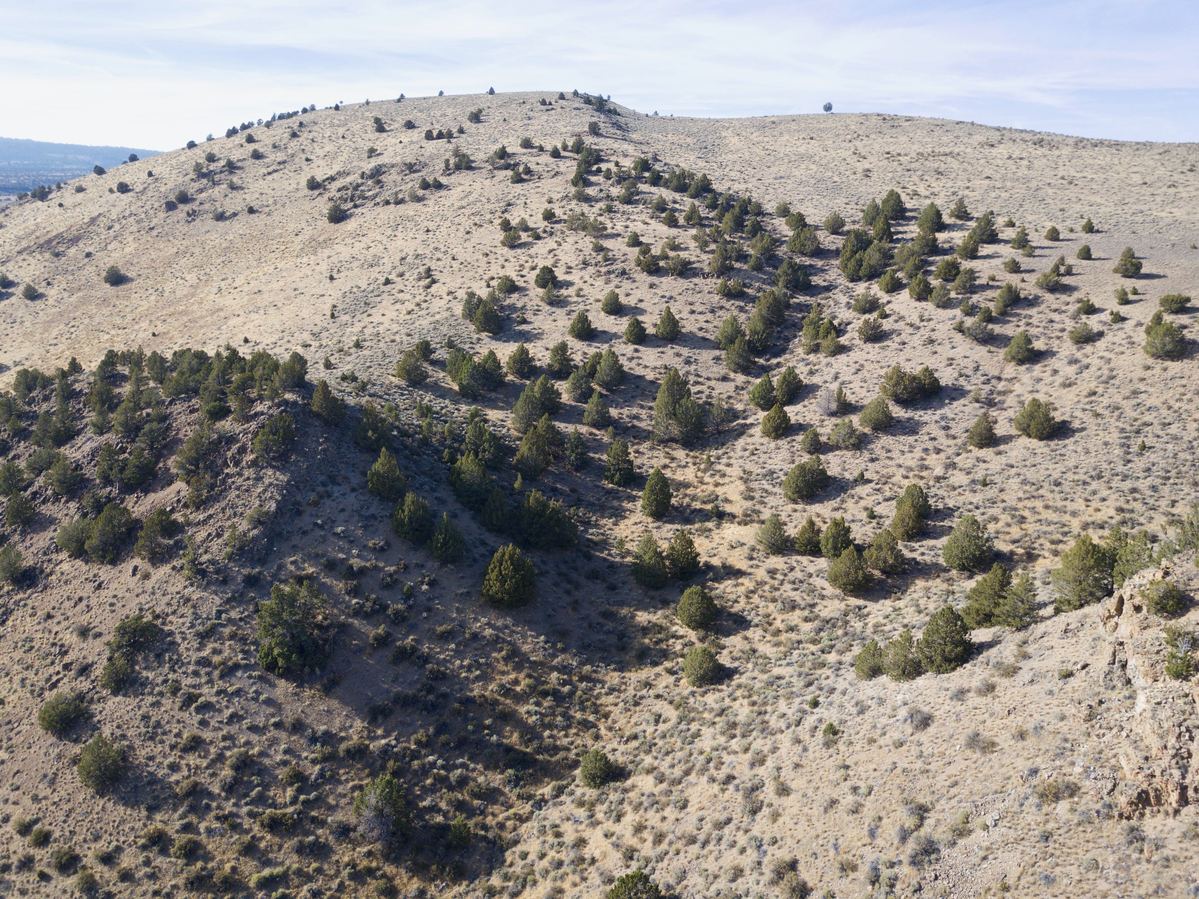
column 944, row 646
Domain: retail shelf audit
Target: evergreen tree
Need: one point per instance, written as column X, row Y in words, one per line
column 787, row 386
column 682, row 558
column 634, row 331
column 775, row 423
column 649, row 566
column 945, row 643
column 596, row 414
column 326, row 405
column 900, row 661
column 618, row 469
column 446, row 543
column 968, row 547
column 762, row 394
column 510, row 579
column 676, row 415
column 1083, row 576
column 835, row 539
column 412, row 519
column 982, row 433
column 911, row 512
column 696, row 609
column 655, row 500
column 384, row 478
column 667, row 327
column 807, row 538
column 805, row 479
column 772, row 537
column 884, row 554
column 848, row 572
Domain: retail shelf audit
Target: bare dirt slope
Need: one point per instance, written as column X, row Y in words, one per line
column 1055, row 762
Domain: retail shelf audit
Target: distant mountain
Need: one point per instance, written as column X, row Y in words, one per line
column 24, row 164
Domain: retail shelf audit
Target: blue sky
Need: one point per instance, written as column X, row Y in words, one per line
column 154, row 74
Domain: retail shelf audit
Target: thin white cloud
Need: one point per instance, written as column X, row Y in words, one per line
column 155, row 74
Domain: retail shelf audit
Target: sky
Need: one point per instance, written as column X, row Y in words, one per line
column 156, row 74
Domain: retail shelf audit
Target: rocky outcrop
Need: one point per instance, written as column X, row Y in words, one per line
column 1158, row 745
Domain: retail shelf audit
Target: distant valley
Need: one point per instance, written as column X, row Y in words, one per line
column 25, row 164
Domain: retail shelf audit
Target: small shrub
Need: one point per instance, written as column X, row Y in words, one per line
column 1128, row 266
column 1174, row 302
column 1164, row 598
column 876, row 415
column 101, row 764
column 382, row 811
column 635, row 885
column 61, row 713
column 114, row 277
column 1036, row 420
column 1164, row 339
column 596, row 769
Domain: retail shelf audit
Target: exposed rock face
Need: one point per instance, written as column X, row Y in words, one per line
column 1159, row 744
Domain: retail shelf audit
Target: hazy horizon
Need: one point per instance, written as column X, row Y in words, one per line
column 137, row 73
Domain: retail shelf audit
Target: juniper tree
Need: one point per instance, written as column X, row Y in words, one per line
column 968, row 547
column 682, row 558
column 1036, row 420
column 787, row 386
column 945, row 642
column 677, row 416
column 884, row 555
column 696, row 609
column 835, row 539
column 1083, row 576
column 447, row 544
column 649, row 565
column 510, row 579
column 667, row 327
column 772, row 537
column 634, row 331
column 982, row 433
column 848, row 572
column 900, row 661
column 775, row 422
column 384, row 478
column 912, row 510
column 412, row 519
column 805, row 479
column 618, row 467
column 656, row 498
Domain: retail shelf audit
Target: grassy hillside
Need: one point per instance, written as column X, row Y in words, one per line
column 505, row 495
